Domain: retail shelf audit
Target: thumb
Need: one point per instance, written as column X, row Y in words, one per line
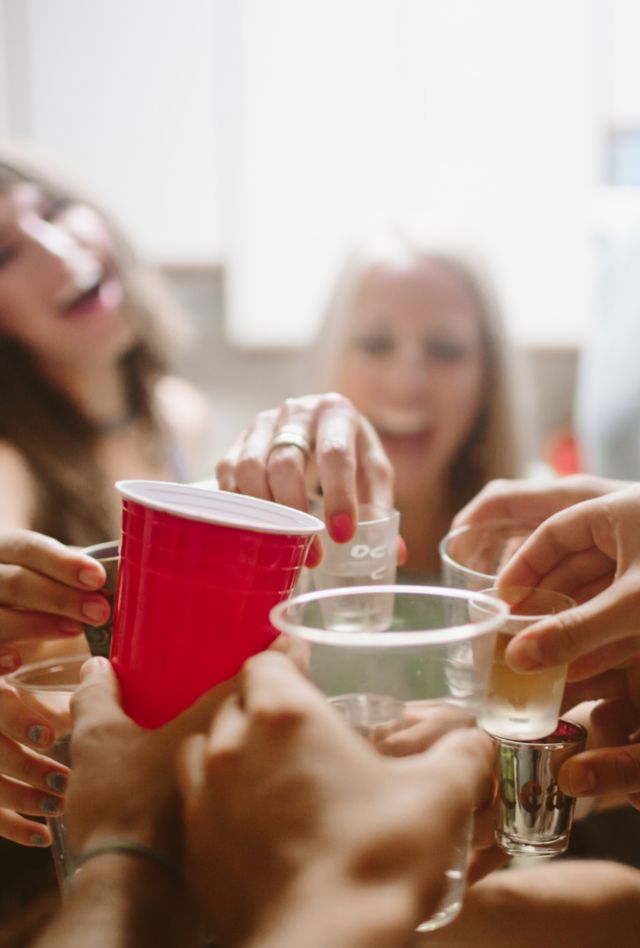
column 98, row 694
column 596, row 772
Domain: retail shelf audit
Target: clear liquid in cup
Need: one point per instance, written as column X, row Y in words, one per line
column 357, row 613
column 523, row 707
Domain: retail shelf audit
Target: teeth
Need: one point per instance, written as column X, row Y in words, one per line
column 85, row 283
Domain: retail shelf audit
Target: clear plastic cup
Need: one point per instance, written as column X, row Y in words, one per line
column 432, row 651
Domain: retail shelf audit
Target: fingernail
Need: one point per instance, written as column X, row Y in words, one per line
column 37, row 840
column 95, row 611
column 9, row 661
column 341, row 527
column 313, row 556
column 526, row 656
column 91, row 578
column 581, row 779
column 49, row 805
column 69, row 626
column 95, row 665
column 57, row 781
column 39, row 735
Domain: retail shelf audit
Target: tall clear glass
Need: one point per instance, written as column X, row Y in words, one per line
column 434, row 652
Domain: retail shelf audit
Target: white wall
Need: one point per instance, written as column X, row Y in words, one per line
column 123, row 93
column 269, row 132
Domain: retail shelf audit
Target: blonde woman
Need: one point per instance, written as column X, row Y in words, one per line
column 413, row 342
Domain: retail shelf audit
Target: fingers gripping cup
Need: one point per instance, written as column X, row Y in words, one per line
column 199, row 571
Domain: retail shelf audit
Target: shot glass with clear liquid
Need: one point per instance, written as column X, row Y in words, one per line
column 431, row 651
column 368, row 558
column 523, row 707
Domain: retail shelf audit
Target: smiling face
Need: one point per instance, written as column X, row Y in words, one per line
column 414, row 367
column 60, row 295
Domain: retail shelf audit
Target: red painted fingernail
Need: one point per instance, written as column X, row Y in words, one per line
column 313, row 556
column 341, row 527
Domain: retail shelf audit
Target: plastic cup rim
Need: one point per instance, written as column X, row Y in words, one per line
column 14, row 677
column 520, row 617
column 387, row 514
column 447, row 559
column 302, row 524
column 427, row 637
column 103, row 551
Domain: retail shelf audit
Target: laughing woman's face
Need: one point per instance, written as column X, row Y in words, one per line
column 60, row 295
column 413, row 366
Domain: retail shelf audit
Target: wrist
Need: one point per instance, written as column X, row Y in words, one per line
column 337, row 909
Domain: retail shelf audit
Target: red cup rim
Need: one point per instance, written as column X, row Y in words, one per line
column 209, row 505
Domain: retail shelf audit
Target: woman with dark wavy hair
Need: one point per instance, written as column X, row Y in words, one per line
column 86, row 330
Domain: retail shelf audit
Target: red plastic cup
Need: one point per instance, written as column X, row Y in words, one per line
column 199, row 572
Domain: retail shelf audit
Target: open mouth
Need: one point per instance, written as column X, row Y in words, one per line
column 84, row 300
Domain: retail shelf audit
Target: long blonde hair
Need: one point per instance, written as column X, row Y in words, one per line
column 496, row 446
column 40, row 421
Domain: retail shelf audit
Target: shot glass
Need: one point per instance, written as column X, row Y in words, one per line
column 523, row 706
column 472, row 556
column 533, row 816
column 432, row 650
column 99, row 636
column 368, row 558
column 48, row 686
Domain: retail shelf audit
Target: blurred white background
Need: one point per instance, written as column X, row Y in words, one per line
column 257, row 138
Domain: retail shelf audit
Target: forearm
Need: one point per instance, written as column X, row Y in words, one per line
column 579, row 903
column 349, row 915
column 117, row 901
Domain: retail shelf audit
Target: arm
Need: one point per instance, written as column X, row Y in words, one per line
column 298, row 832
column 575, row 903
column 116, row 902
column 123, row 787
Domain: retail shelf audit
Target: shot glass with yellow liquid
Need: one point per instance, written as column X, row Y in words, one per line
column 526, row 706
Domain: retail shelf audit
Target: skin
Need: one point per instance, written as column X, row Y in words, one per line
column 413, row 366
column 411, row 379
column 47, row 592
column 49, row 256
column 345, row 458
column 589, row 549
column 354, row 851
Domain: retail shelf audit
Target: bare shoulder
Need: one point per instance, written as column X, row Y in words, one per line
column 17, row 489
column 186, row 412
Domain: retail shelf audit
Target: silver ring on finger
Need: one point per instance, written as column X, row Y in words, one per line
column 290, row 437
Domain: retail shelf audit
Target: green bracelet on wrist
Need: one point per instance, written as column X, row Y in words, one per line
column 131, row 848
